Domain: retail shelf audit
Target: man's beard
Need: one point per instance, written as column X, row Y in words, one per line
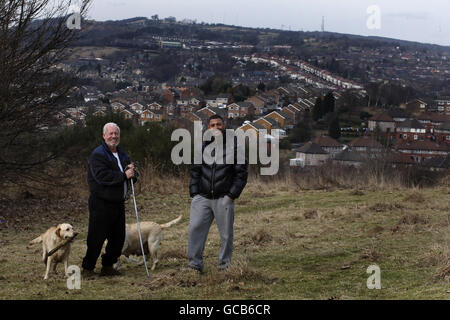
column 112, row 145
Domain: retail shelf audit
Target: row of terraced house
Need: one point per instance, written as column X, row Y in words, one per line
column 422, row 137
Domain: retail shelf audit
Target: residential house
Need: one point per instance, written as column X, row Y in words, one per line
column 398, row 159
column 182, row 102
column 382, row 121
column 192, row 93
column 310, row 154
column 310, row 102
column 77, row 113
column 137, row 107
column 158, row 115
column 168, row 96
column 169, row 111
column 209, row 111
column 90, row 93
column 285, row 120
column 224, row 99
column 442, row 133
column 366, row 144
column 193, row 116
column 272, row 98
column 150, row 116
column 443, row 105
column 433, row 120
column 398, row 115
column 295, row 107
column 117, row 107
column 349, row 157
column 254, row 127
column 127, row 114
column 211, row 101
column 415, row 106
column 420, row 150
column 259, row 104
column 194, row 101
column 68, row 122
column 329, row 144
column 198, row 116
column 268, row 123
column 288, row 93
column 272, row 95
column 305, row 106
column 185, row 100
column 99, row 113
column 410, row 130
column 154, row 106
column 240, row 109
column 186, row 109
column 284, row 91
column 292, row 113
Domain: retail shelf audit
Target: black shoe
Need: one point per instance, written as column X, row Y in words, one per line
column 87, row 274
column 191, row 269
column 224, row 267
column 108, row 271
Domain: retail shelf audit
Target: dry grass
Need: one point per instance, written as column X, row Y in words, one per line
column 438, row 256
column 310, row 214
column 290, row 243
column 384, row 207
column 414, row 196
column 261, row 237
column 371, row 254
column 356, row 193
column 412, row 219
column 236, row 278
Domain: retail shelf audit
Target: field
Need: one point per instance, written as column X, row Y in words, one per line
column 95, row 52
column 289, row 244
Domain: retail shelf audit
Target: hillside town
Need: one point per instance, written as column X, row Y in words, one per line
column 266, row 87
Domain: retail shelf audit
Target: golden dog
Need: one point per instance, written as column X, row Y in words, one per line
column 151, row 237
column 52, row 238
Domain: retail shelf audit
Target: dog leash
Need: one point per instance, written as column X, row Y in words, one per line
column 139, row 228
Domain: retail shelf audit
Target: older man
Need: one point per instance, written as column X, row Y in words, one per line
column 108, row 174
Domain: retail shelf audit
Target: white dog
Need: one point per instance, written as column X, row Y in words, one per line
column 151, row 237
column 51, row 239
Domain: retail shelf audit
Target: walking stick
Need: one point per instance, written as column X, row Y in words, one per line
column 139, row 228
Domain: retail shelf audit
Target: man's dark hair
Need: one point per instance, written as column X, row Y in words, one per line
column 215, row 116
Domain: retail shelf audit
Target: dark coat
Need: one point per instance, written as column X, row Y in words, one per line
column 217, row 180
column 105, row 179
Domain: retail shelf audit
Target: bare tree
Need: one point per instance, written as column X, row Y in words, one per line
column 34, row 37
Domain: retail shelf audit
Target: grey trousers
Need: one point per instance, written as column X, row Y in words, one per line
column 203, row 212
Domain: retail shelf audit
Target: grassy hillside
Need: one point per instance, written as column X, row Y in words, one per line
column 289, row 244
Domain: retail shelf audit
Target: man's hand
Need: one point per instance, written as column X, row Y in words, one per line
column 129, row 171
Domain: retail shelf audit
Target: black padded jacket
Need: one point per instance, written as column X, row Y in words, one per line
column 217, row 180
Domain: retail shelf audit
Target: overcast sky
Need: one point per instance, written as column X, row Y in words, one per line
column 416, row 20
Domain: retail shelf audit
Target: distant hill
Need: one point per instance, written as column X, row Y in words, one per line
column 129, row 31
